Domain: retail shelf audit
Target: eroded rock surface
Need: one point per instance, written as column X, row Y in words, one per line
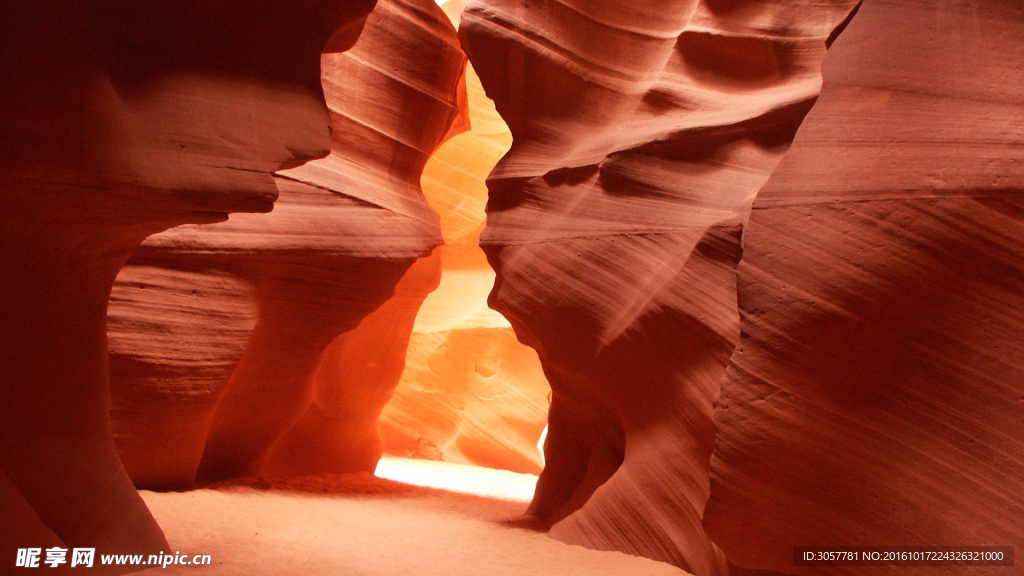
column 877, row 393
column 175, row 337
column 470, row 392
column 354, row 379
column 344, row 232
column 642, row 132
column 122, row 119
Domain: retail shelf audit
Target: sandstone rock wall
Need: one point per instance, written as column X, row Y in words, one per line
column 344, row 232
column 354, row 379
column 122, row 119
column 877, row 393
column 642, row 132
column 175, row 337
column 470, row 392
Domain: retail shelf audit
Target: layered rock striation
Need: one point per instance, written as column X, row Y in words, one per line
column 641, row 134
column 344, row 232
column 877, row 393
column 122, row 119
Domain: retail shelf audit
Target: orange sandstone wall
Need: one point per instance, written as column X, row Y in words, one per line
column 243, row 366
column 122, row 119
column 641, row 133
column 470, row 392
column 877, row 393
column 353, row 381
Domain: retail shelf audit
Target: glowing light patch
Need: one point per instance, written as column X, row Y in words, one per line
column 460, row 301
column 474, row 480
column 540, row 444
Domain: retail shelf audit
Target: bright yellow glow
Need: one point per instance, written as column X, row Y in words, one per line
column 474, row 480
column 460, row 302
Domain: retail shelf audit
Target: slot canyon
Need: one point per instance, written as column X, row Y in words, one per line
column 507, row 287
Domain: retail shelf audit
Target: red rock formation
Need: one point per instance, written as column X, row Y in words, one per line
column 122, row 119
column 344, row 231
column 175, row 337
column 470, row 392
column 641, row 133
column 20, row 526
column 877, row 393
column 353, row 381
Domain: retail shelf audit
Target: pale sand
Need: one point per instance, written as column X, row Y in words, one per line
column 358, row 525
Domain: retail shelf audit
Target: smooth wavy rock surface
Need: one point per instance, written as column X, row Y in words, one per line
column 641, row 133
column 470, row 392
column 120, row 120
column 469, row 396
column 877, row 393
column 175, row 336
column 344, row 232
column 354, row 379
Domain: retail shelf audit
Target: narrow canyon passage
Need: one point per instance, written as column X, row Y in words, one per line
column 511, row 287
column 461, row 434
column 470, row 392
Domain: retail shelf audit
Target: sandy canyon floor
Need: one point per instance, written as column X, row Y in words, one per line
column 456, row 523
